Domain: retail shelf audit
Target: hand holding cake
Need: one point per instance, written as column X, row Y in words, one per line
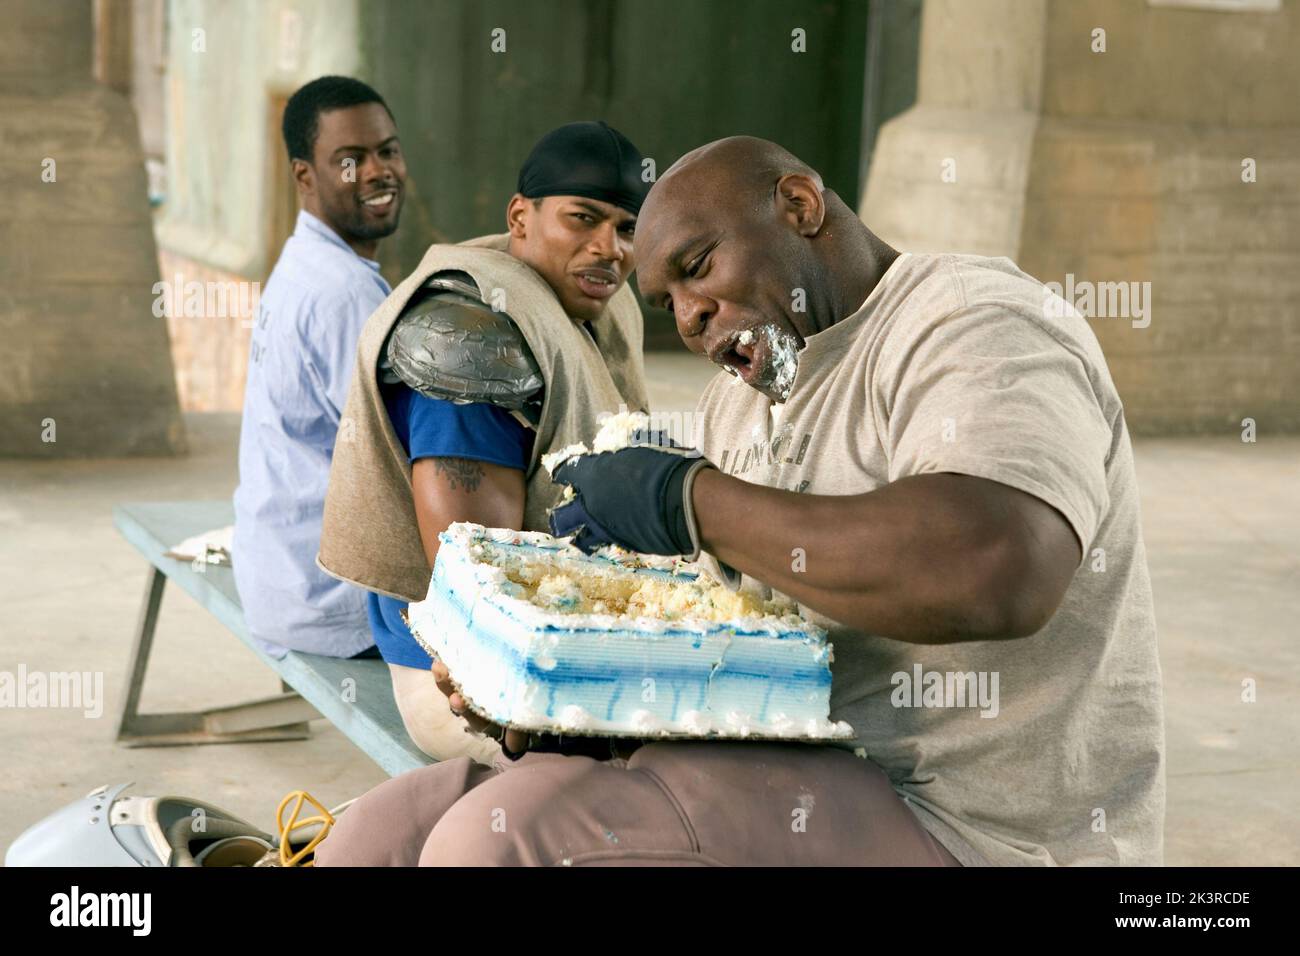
column 512, row 741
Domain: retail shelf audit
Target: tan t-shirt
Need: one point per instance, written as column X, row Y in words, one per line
column 953, row 364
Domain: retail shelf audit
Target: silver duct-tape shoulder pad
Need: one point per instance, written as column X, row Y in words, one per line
column 448, row 344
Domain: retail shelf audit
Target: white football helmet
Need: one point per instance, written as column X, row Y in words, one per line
column 107, row 829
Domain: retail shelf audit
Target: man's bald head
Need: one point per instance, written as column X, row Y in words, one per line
column 732, row 239
column 736, row 172
column 748, row 161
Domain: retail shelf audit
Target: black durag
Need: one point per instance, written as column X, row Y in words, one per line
column 586, row 159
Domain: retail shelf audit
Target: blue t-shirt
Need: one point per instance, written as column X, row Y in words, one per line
column 434, row 428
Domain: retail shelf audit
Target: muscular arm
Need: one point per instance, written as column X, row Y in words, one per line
column 462, row 489
column 929, row 559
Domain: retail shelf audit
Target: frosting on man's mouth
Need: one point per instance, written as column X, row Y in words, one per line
column 783, row 359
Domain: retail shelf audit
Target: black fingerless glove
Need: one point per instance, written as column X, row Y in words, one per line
column 637, row 498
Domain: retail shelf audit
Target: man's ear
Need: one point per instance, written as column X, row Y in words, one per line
column 799, row 201
column 304, row 176
column 518, row 211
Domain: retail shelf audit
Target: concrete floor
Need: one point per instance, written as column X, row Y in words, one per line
column 1222, row 531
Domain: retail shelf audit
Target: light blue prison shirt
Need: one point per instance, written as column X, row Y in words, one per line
column 300, row 363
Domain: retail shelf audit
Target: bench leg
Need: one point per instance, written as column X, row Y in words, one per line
column 280, row 717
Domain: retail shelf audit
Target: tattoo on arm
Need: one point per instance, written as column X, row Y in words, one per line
column 461, row 473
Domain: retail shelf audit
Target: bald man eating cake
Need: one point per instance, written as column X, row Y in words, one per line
column 937, row 468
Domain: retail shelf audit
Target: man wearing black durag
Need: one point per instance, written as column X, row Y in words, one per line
column 492, row 353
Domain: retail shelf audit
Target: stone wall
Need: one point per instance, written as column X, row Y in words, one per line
column 85, row 368
column 1170, row 158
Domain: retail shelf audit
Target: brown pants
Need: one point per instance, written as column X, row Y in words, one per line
column 682, row 803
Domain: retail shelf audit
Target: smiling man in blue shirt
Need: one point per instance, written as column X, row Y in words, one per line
column 350, row 175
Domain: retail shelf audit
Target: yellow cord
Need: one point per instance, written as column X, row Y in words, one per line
column 325, row 819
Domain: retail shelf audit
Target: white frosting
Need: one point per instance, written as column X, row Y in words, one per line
column 784, row 351
column 574, row 717
column 645, row 722
column 697, row 723
column 615, row 432
column 555, row 459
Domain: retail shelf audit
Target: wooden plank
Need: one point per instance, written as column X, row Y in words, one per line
column 354, row 695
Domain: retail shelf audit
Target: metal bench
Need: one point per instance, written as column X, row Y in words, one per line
column 354, row 695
